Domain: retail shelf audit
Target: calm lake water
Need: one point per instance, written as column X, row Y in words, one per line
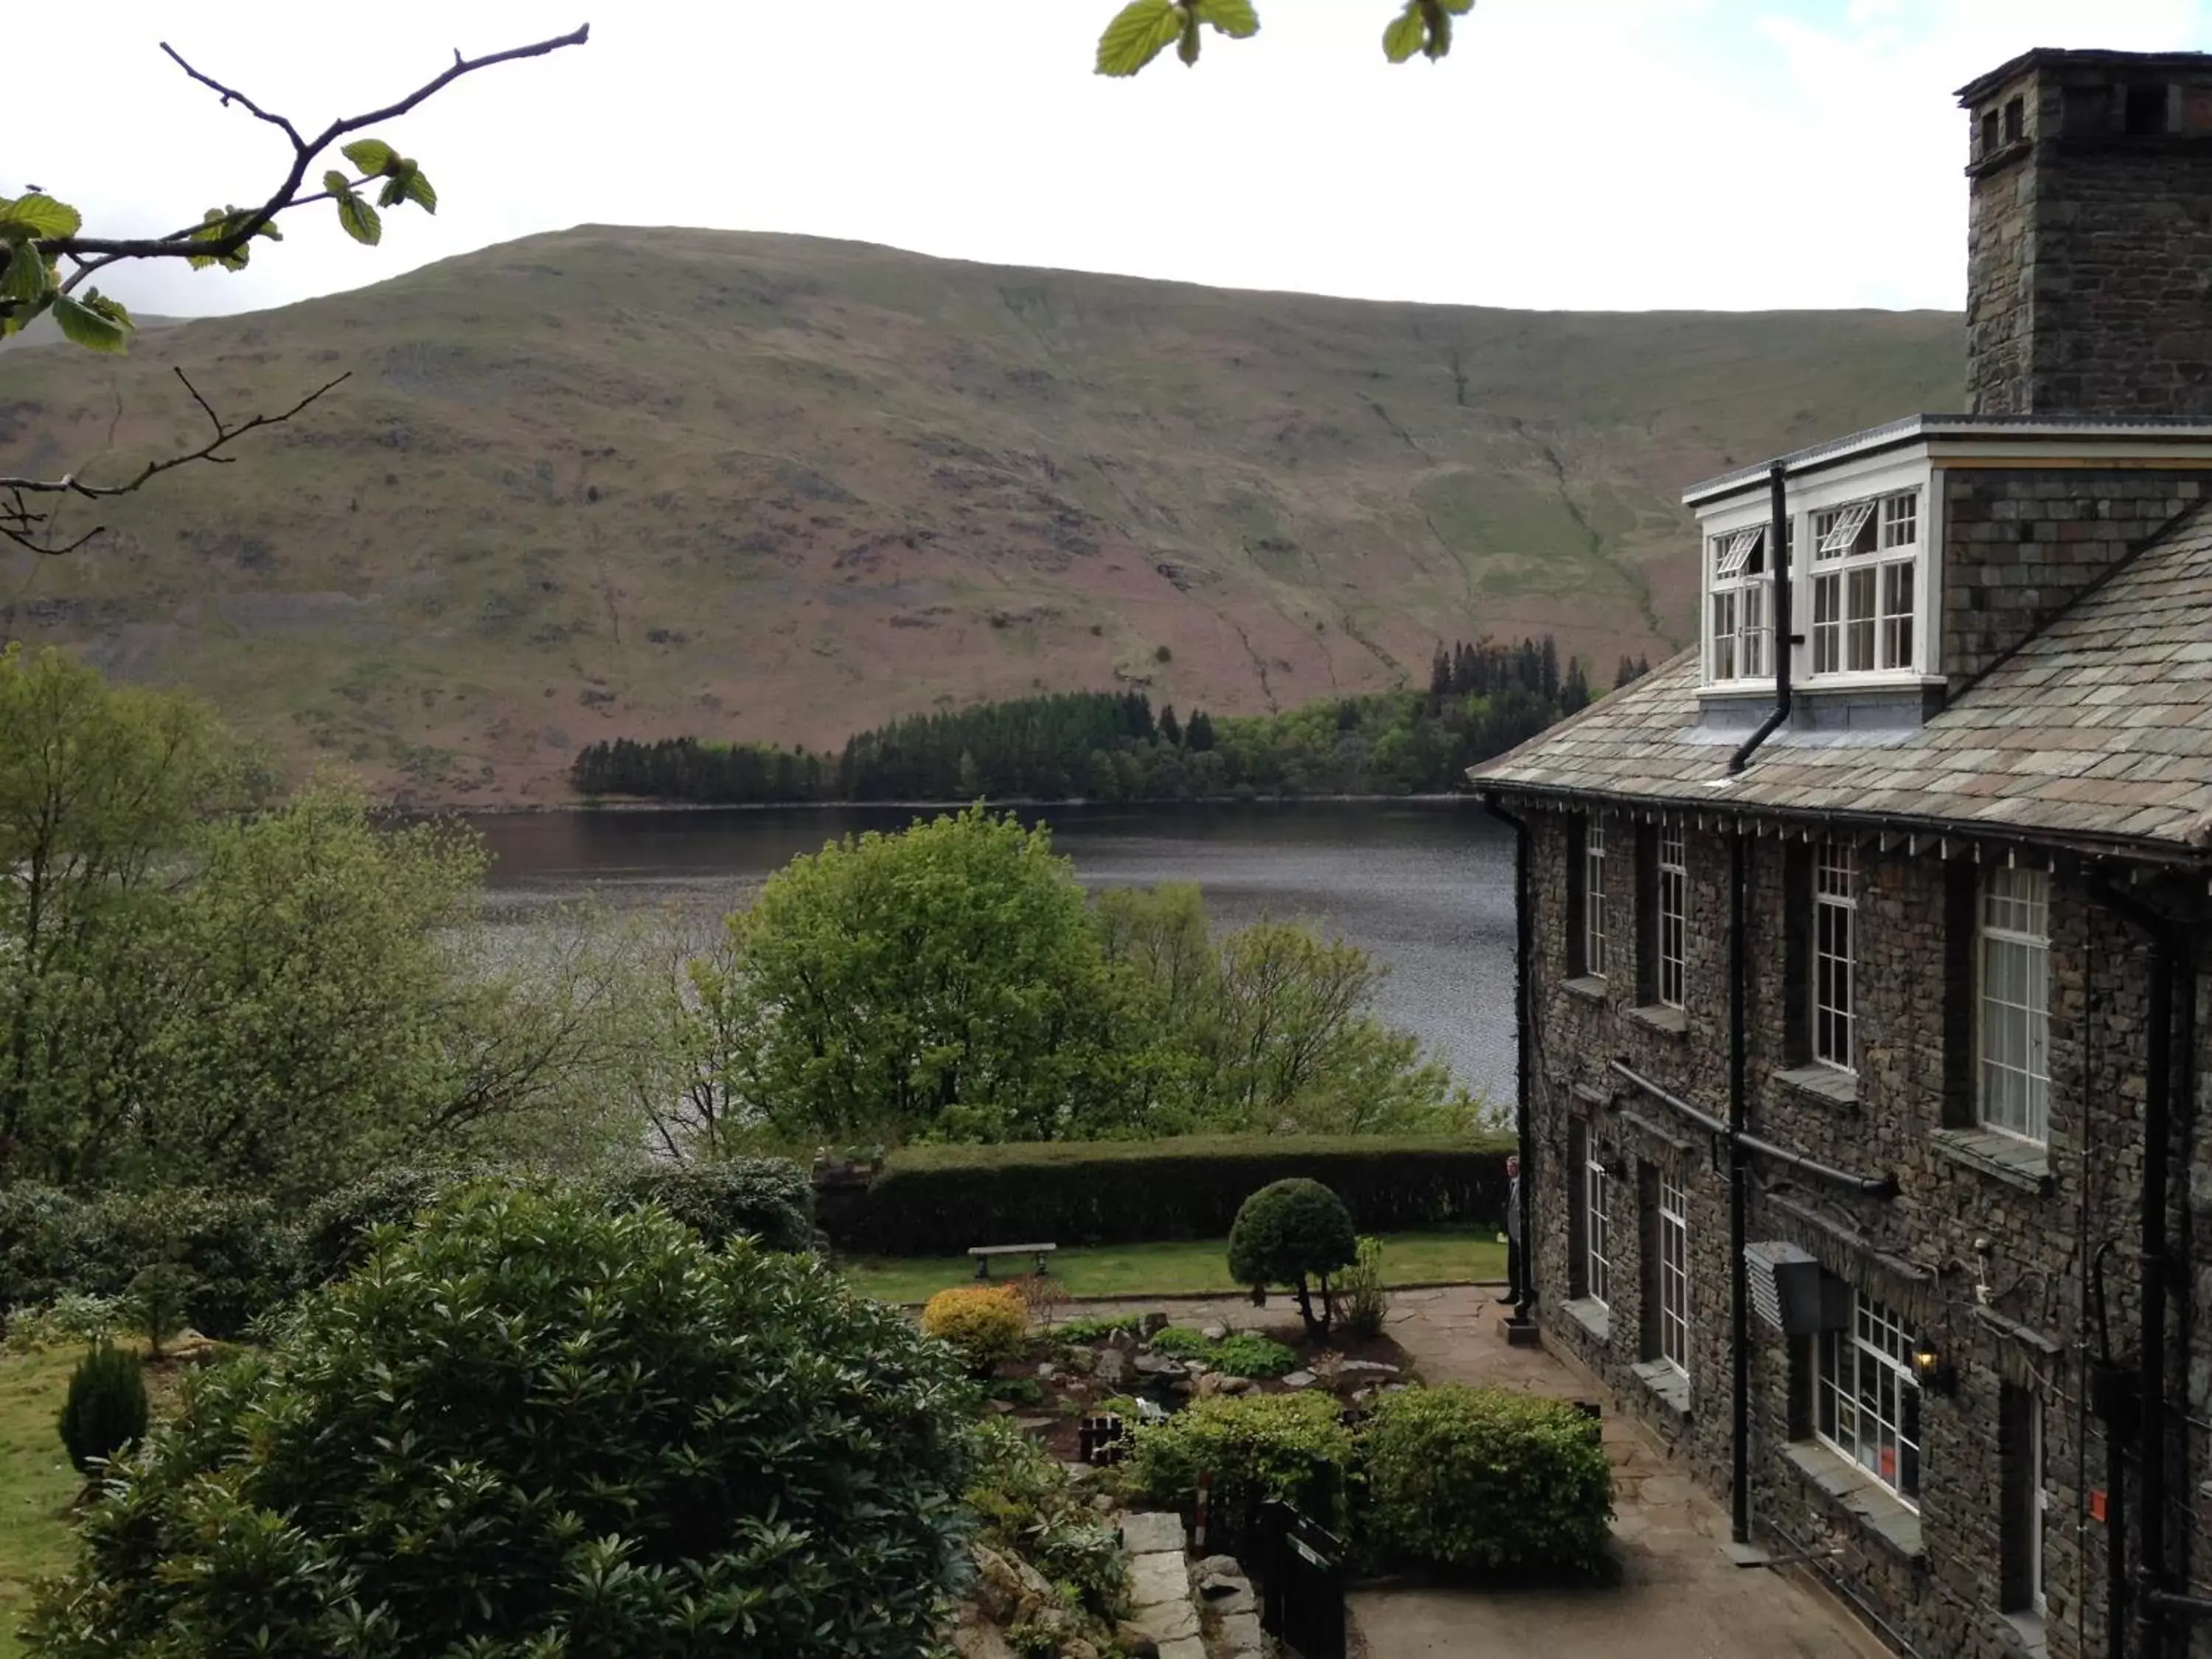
column 1426, row 887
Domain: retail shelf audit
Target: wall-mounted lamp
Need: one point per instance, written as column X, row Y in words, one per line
column 1933, row 1371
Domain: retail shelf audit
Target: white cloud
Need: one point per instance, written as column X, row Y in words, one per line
column 1596, row 153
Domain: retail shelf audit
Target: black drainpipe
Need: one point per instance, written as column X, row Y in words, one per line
column 1524, row 947
column 1777, row 556
column 2155, row 1603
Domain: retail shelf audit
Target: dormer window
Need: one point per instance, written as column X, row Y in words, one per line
column 1865, row 560
column 1741, row 587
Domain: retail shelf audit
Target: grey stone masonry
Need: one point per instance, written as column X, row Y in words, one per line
column 2090, row 236
column 1984, row 1255
column 2021, row 546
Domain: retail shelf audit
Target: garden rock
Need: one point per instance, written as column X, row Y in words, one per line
column 1153, row 1323
column 1113, row 1367
column 1135, row 1640
column 1235, row 1384
column 1364, row 1368
column 1159, row 1365
column 1047, row 1371
column 1299, row 1380
column 976, row 1638
column 1082, row 1361
column 1240, row 1638
column 1153, row 1533
column 1213, row 1333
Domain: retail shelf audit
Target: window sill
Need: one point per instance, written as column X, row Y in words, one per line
column 2003, row 1158
column 1829, row 1083
column 1593, row 1315
column 1590, row 987
column 2025, row 1633
column 1881, row 1514
column 1657, row 1016
column 1671, row 1387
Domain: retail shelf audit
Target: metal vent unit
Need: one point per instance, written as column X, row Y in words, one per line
column 1791, row 1294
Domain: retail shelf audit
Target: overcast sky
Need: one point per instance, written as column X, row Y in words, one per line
column 1572, row 154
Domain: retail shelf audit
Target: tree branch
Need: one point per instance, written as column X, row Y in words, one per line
column 91, row 253
column 29, row 525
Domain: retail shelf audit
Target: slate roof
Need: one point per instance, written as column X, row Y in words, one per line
column 2098, row 729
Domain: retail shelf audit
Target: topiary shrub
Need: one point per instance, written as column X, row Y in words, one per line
column 1287, row 1233
column 986, row 1325
column 535, row 1427
column 1255, row 1446
column 1476, row 1480
column 105, row 1413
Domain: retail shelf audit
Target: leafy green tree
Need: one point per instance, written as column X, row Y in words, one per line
column 1290, row 1232
column 942, row 982
column 1143, row 29
column 534, row 1427
column 47, row 261
column 204, row 987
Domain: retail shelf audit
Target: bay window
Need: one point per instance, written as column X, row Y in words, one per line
column 1742, row 589
column 1864, row 580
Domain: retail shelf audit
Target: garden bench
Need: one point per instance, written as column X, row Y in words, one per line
column 983, row 1253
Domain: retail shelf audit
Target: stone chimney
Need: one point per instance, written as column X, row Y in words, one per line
column 2089, row 252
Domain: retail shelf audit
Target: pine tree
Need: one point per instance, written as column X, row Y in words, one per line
column 105, row 1412
column 1197, row 736
column 1547, row 670
column 1170, row 728
column 1440, row 676
column 1626, row 672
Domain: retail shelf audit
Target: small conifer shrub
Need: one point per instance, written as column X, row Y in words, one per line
column 105, row 1414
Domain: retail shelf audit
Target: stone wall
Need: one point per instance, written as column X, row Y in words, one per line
column 2087, row 250
column 2019, row 545
column 1934, row 1578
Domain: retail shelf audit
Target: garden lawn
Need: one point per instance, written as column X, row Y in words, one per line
column 1453, row 1256
column 36, row 1481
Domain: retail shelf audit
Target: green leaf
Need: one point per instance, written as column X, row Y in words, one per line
column 1140, row 31
column 1405, row 34
column 1235, row 18
column 370, row 155
column 89, row 327
column 29, row 278
column 419, row 191
column 18, row 319
column 360, row 220
column 1457, row 8
column 113, row 310
column 1439, row 21
column 337, row 182
column 37, row 216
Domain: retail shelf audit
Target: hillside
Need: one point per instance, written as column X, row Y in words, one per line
column 640, row 482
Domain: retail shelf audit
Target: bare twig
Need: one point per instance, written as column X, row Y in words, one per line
column 26, row 524
column 91, row 253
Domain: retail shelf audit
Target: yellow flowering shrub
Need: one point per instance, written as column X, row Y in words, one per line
column 987, row 1325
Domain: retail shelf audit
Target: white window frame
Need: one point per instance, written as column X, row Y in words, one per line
column 1835, row 954
column 1673, row 1273
column 1598, row 1230
column 2039, row 1508
column 2012, row 1003
column 1866, row 1399
column 1867, row 585
column 1673, row 877
column 1740, row 605
column 1594, row 919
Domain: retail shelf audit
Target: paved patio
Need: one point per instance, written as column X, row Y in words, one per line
column 1678, row 1596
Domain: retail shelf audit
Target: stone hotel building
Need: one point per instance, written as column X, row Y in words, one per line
column 1863, row 1009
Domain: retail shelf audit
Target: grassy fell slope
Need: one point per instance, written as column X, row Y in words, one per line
column 643, row 482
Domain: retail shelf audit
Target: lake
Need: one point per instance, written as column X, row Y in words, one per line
column 1425, row 886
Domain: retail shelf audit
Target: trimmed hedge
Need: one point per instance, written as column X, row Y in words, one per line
column 767, row 1199
column 938, row 1200
column 232, row 1254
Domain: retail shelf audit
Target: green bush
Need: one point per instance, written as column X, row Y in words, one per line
column 1255, row 1446
column 1288, row 1233
column 1477, row 1479
column 1247, row 1354
column 1095, row 1327
column 767, row 1199
column 1029, row 1507
column 938, row 1200
column 1365, row 1303
column 532, row 1426
column 1241, row 1353
column 69, row 1318
column 240, row 1257
column 105, row 1413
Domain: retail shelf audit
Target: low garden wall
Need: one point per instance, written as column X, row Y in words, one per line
column 938, row 1200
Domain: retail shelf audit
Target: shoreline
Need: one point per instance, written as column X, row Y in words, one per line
column 646, row 803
